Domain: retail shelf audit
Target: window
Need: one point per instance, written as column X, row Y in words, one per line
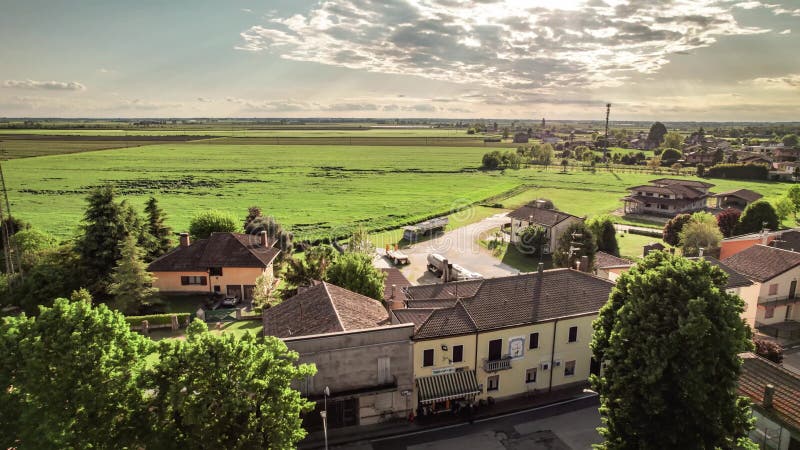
column 495, row 349
column 427, row 358
column 770, row 312
column 493, row 383
column 215, row 271
column 573, row 334
column 773, row 289
column 534, row 341
column 530, row 376
column 569, row 368
column 384, row 374
column 186, row 281
column 458, row 353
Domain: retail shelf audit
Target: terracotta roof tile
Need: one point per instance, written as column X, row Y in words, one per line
column 453, row 290
column 435, row 304
column 735, row 279
column 417, row 316
column 324, row 308
column 788, row 240
column 396, row 278
column 744, row 194
column 446, row 322
column 541, row 216
column 219, row 250
column 757, row 372
column 604, row 260
column 762, row 263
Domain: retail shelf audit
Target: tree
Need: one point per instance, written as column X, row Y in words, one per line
column 30, row 243
column 505, row 133
column 546, row 154
column 360, row 242
column 656, row 391
column 67, row 371
column 784, row 207
column 700, row 232
column 55, row 272
column 793, row 194
column 564, row 164
column 727, row 221
column 605, row 234
column 159, row 242
column 252, row 213
column 531, row 240
column 673, row 140
column 213, row 391
column 213, row 221
column 264, row 293
column 673, row 228
column 576, row 241
column 790, row 140
column 656, row 133
column 670, row 155
column 131, row 283
column 757, row 216
column 313, row 267
column 355, row 272
column 654, row 163
column 770, row 350
column 701, row 169
column 104, row 228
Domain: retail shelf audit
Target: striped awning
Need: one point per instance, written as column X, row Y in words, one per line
column 437, row 388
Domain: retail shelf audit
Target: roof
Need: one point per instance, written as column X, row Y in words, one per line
column 687, row 192
column 744, row 194
column 219, row 250
column 756, row 373
column 324, row 308
column 541, row 216
column 435, row 303
column 788, row 240
column 675, row 181
column 605, row 260
column 394, row 278
column 735, row 279
column 762, row 263
column 453, row 290
column 417, row 316
column 520, row 299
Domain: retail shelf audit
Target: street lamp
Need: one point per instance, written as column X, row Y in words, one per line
column 324, row 415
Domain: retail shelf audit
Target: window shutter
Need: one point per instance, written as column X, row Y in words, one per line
column 203, row 281
column 184, row 281
column 383, row 370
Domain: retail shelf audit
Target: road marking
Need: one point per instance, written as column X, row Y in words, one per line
column 487, row 419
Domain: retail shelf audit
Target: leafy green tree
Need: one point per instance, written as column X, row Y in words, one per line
column 605, row 234
column 701, row 231
column 252, row 213
column 758, row 215
column 213, row 391
column 564, row 164
column 673, row 140
column 727, row 221
column 360, row 242
column 669, row 338
column 159, row 241
column 131, row 283
column 55, row 272
column 672, row 229
column 264, row 293
column 30, row 243
column 670, row 155
column 576, row 241
column 657, row 133
column 790, row 140
column 70, row 378
column 213, row 221
column 701, row 169
column 793, row 194
column 355, row 272
column 313, row 266
column 106, row 224
column 532, row 240
column 784, row 207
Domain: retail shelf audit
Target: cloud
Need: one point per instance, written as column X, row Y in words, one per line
column 791, row 12
column 790, row 81
column 272, row 106
column 539, row 49
column 247, row 10
column 45, row 85
column 786, row 31
column 204, row 100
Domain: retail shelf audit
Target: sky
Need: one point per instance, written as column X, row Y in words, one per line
column 703, row 60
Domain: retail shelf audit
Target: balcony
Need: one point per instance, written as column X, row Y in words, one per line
column 777, row 300
column 495, row 365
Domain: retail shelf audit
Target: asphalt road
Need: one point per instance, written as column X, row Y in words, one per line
column 566, row 425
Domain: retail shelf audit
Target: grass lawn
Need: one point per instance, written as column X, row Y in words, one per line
column 630, row 245
column 182, row 303
column 508, row 254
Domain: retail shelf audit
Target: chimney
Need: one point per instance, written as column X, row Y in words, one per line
column 583, row 266
column 764, row 236
column 394, row 288
column 541, row 267
column 445, row 270
column 262, row 236
column 185, row 240
column 769, row 393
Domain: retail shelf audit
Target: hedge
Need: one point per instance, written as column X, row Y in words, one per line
column 156, row 319
column 739, row 171
column 654, row 232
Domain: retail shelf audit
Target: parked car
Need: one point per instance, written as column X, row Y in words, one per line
column 230, row 302
column 436, row 263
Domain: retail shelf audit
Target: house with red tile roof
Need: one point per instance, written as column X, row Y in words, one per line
column 553, row 221
column 225, row 263
column 667, row 197
column 775, row 395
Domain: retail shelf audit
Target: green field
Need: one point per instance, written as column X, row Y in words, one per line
column 244, row 132
column 317, row 191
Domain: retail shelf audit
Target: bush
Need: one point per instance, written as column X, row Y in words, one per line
column 673, row 228
column 739, row 171
column 156, row 319
column 769, row 350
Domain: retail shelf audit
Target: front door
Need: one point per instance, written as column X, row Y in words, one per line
column 788, row 312
column 792, row 288
column 249, row 289
column 495, row 349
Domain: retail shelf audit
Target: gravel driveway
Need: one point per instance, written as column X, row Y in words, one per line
column 460, row 246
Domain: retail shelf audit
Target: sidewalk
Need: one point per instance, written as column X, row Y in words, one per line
column 345, row 435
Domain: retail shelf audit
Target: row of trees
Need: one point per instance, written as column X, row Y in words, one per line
column 76, row 376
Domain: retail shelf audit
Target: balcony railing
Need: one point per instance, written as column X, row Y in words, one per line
column 495, row 365
column 777, row 300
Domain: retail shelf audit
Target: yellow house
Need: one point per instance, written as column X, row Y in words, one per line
column 512, row 336
column 225, row 263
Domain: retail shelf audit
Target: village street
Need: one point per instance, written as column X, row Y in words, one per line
column 461, row 247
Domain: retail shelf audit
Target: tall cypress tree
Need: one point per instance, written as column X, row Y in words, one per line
column 160, row 241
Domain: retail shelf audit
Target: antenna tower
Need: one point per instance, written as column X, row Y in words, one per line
column 605, row 143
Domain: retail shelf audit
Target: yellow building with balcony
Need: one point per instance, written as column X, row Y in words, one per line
column 502, row 337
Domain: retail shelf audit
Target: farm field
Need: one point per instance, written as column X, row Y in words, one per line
column 28, row 146
column 316, row 191
column 243, row 132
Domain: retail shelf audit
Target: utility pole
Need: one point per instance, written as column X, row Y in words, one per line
column 11, row 256
column 605, row 144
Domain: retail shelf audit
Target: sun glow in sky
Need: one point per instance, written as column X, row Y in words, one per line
column 668, row 60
